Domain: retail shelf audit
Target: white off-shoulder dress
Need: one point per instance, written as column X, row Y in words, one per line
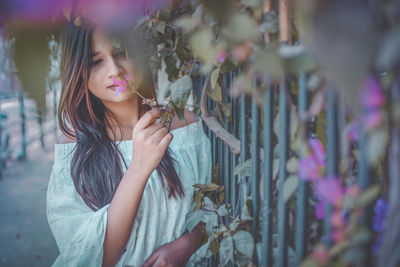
column 79, row 231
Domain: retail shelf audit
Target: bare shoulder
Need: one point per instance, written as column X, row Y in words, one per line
column 63, row 139
column 190, row 117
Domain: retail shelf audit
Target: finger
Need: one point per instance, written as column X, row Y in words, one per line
column 152, row 259
column 150, row 130
column 158, row 135
column 160, row 262
column 165, row 140
column 148, row 118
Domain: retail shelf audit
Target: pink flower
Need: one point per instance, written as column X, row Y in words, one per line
column 122, row 85
column 221, row 57
column 338, row 235
column 337, row 219
column 372, row 96
column 312, row 167
column 353, row 132
column 330, row 190
column 128, row 77
column 372, row 119
column 321, row 254
column 372, row 100
column 319, row 210
column 317, row 150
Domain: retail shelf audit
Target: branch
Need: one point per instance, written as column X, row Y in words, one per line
column 212, row 121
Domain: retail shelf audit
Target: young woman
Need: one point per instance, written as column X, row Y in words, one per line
column 121, row 184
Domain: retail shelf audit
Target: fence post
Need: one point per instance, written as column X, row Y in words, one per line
column 332, row 158
column 22, row 153
column 266, row 259
column 255, row 163
column 302, row 192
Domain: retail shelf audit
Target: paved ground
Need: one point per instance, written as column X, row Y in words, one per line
column 25, row 236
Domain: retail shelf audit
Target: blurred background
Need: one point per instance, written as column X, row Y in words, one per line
column 300, row 99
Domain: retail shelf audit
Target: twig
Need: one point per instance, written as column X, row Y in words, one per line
column 212, row 121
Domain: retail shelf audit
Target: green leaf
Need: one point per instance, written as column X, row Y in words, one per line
column 251, row 3
column 245, row 214
column 242, row 85
column 180, row 91
column 197, row 199
column 290, row 186
column 234, row 225
column 116, row 42
column 222, row 211
column 187, row 23
column 193, row 218
column 208, row 202
column 214, row 77
column 376, row 146
column 240, row 28
column 180, row 112
column 31, row 57
column 214, row 247
column 227, row 109
column 244, row 243
column 161, row 26
column 296, row 59
column 201, row 43
column 268, row 61
column 291, row 165
column 243, row 168
column 227, row 66
column 211, row 220
column 226, row 250
column 216, row 93
column 211, row 187
column 368, row 196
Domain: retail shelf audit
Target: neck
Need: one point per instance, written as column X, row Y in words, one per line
column 126, row 113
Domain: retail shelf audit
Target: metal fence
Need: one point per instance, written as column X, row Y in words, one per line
column 20, row 126
column 270, row 211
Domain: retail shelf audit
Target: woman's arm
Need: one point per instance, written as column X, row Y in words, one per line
column 195, row 239
column 150, row 140
column 121, row 214
column 178, row 252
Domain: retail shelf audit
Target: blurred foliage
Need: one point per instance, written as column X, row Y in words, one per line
column 340, row 45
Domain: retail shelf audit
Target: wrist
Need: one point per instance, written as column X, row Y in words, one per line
column 193, row 240
column 138, row 171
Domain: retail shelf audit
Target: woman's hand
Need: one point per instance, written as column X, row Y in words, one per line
column 150, row 140
column 175, row 253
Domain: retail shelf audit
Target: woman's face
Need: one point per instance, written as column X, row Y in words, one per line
column 108, row 62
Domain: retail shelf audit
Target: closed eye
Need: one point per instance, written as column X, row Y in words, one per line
column 93, row 63
column 120, row 54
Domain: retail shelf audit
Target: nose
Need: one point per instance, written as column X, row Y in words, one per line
column 114, row 69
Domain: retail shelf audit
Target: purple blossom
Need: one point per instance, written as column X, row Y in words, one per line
column 221, row 57
column 317, row 149
column 381, row 208
column 372, row 99
column 113, row 13
column 372, row 119
column 372, row 96
column 320, row 209
column 312, row 166
column 122, row 85
column 353, row 132
column 330, row 190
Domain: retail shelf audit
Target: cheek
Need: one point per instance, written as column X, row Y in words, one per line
column 95, row 82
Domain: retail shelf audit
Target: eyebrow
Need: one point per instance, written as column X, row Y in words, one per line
column 94, row 54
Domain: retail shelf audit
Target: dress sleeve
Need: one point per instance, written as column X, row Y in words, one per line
column 78, row 230
column 199, row 156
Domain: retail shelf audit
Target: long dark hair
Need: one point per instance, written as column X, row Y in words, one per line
column 95, row 168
